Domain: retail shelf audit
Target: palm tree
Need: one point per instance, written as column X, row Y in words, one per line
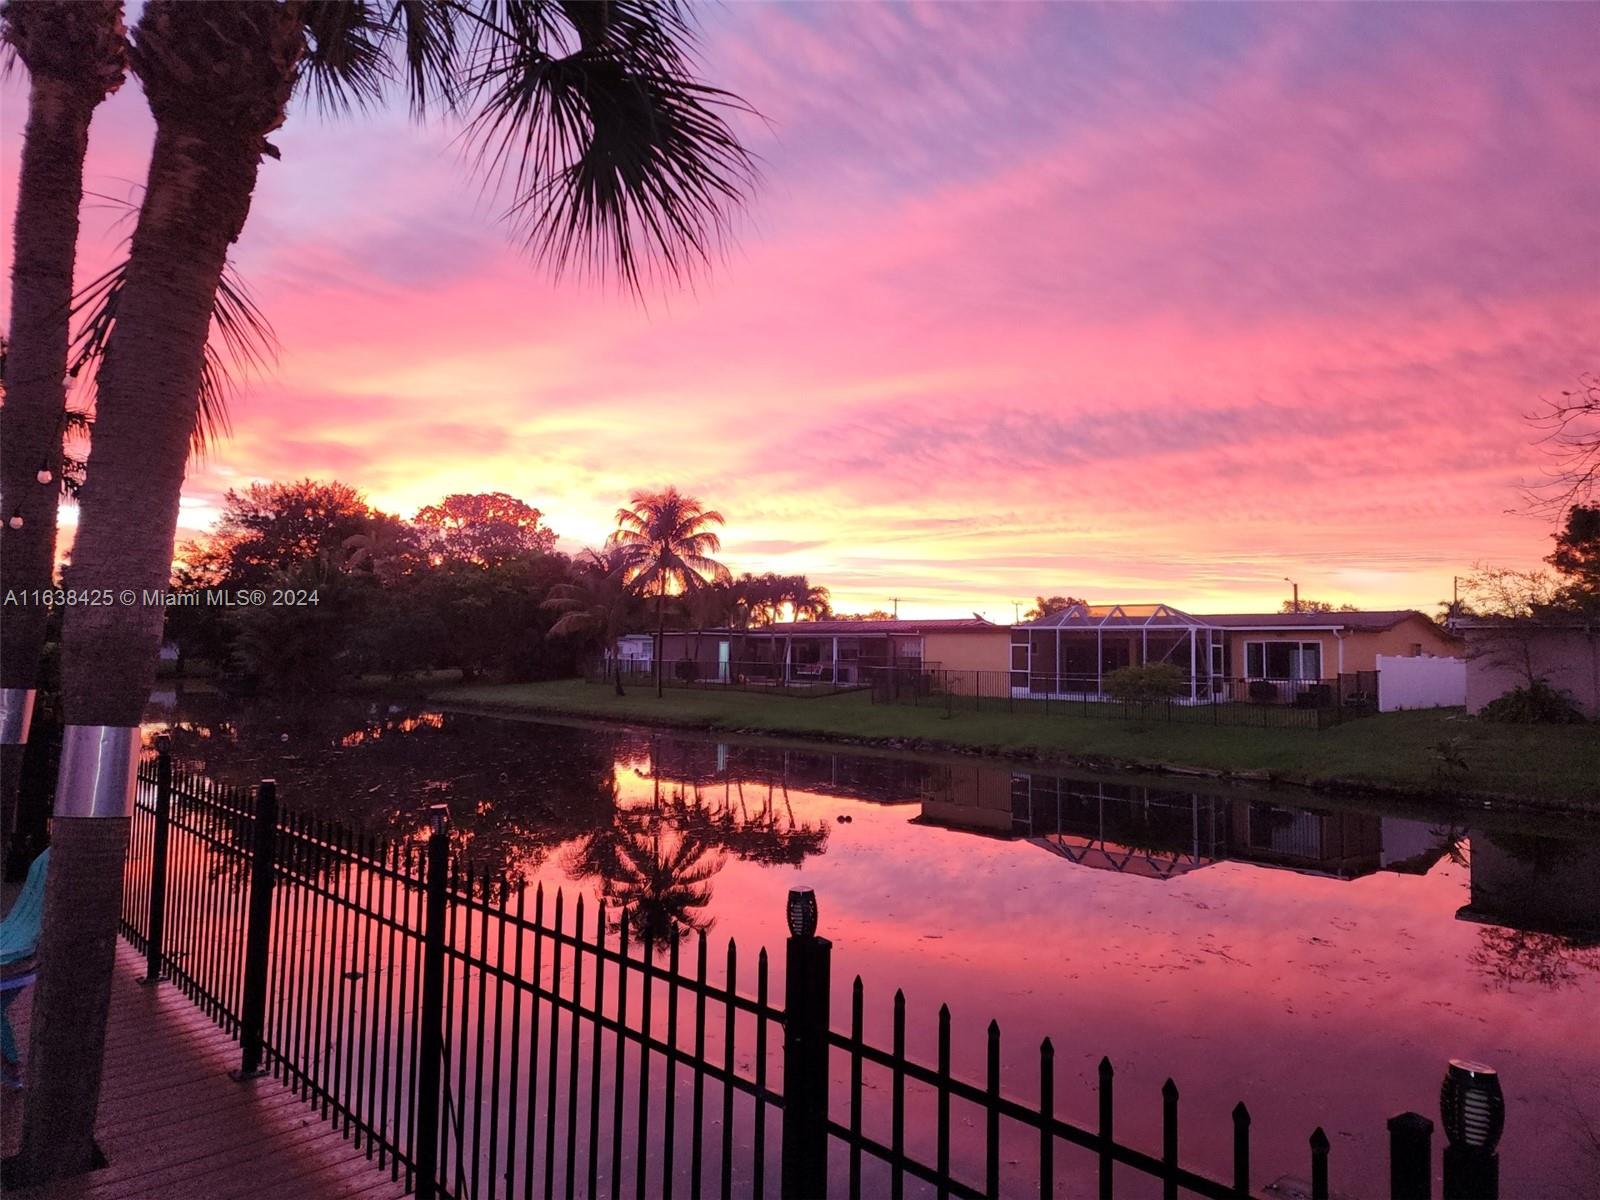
column 76, row 55
column 666, row 542
column 806, row 599
column 619, row 159
column 595, row 605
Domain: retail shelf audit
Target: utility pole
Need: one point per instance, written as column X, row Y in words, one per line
column 1296, row 588
column 895, row 600
column 1016, row 612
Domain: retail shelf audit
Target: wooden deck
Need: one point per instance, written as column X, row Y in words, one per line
column 172, row 1123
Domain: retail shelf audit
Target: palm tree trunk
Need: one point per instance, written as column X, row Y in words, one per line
column 661, row 633
column 67, row 81
column 218, row 79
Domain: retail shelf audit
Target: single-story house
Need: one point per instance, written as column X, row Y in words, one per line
column 834, row 651
column 1255, row 656
column 1503, row 654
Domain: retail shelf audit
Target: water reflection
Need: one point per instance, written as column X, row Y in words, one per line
column 1310, row 953
column 650, row 819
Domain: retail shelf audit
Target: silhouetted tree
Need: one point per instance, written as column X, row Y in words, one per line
column 665, row 541
column 595, row 604
column 1045, row 606
column 484, row 529
column 1316, row 606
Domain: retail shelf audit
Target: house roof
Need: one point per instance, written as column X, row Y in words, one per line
column 1148, row 616
column 837, row 628
column 1161, row 616
column 1373, row 621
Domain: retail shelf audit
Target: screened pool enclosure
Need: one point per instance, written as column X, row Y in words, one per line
column 1068, row 654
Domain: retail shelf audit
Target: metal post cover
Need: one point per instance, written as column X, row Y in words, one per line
column 16, row 715
column 99, row 764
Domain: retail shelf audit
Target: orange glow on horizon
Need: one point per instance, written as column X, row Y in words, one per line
column 1131, row 304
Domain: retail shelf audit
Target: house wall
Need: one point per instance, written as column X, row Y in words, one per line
column 1361, row 647
column 1568, row 659
column 968, row 652
column 1330, row 649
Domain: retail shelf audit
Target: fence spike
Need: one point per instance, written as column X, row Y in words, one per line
column 1319, row 1164
column 1169, row 1090
column 1241, row 1149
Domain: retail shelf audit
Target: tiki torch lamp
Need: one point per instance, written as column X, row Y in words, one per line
column 438, row 818
column 802, row 912
column 1473, row 1110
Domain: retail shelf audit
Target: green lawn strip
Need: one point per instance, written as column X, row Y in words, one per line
column 1394, row 750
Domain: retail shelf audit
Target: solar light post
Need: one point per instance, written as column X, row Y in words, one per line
column 1473, row 1112
column 805, row 1050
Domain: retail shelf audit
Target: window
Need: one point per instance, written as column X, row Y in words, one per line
column 1283, row 660
column 1416, row 649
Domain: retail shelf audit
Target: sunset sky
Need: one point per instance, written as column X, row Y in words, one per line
column 1137, row 303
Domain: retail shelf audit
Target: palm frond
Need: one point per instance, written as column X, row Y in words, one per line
column 429, row 48
column 345, row 65
column 618, row 158
column 241, row 341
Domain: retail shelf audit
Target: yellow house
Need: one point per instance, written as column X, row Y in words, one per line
column 1287, row 657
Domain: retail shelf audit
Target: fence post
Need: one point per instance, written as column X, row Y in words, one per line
column 430, row 1047
column 805, row 1052
column 156, row 928
column 1410, row 1157
column 258, row 933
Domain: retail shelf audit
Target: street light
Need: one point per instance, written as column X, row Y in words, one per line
column 1296, row 588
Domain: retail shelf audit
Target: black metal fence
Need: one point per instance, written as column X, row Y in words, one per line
column 1265, row 703
column 477, row 1042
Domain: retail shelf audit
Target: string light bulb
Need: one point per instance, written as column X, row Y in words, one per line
column 44, row 474
column 16, row 520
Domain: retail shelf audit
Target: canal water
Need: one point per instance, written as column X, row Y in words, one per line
column 1318, row 958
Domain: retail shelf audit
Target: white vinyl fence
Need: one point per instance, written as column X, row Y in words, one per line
column 1420, row 682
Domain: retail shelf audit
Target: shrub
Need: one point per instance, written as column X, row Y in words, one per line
column 1536, row 704
column 1141, row 685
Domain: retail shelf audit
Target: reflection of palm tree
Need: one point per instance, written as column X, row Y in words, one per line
column 660, row 878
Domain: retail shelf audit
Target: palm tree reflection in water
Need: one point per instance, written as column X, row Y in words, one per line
column 657, row 877
column 655, row 865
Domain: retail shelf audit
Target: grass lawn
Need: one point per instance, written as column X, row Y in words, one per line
column 1546, row 763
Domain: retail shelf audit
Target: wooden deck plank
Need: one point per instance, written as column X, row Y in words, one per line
column 173, row 1123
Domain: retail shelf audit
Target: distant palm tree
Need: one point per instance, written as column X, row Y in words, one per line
column 807, row 599
column 596, row 605
column 666, row 543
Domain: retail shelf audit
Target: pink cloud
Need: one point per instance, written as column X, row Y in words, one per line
column 1164, row 301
